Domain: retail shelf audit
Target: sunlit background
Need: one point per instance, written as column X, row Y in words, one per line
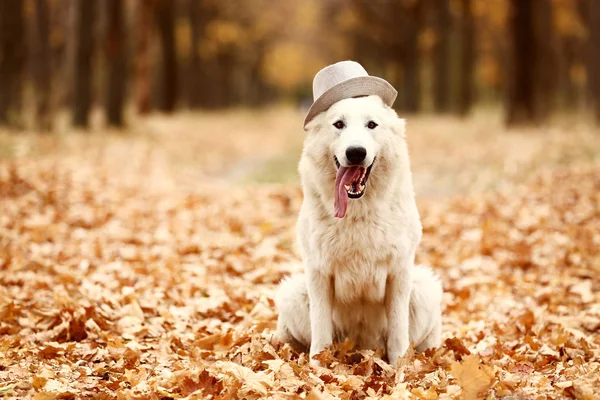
column 204, row 76
column 149, row 193
column 531, row 58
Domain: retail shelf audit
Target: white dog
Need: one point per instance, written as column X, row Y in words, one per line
column 360, row 280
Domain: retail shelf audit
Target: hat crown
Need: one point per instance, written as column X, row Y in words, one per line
column 335, row 74
column 345, row 80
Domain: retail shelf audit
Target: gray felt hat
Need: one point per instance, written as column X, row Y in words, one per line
column 344, row 80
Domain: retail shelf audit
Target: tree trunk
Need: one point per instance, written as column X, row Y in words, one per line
column 210, row 78
column 62, row 52
column 165, row 17
column 84, row 52
column 467, row 58
column 142, row 66
column 442, row 56
column 569, row 57
column 205, row 73
column 258, row 90
column 12, row 60
column 196, row 27
column 411, row 61
column 593, row 66
column 43, row 65
column 521, row 87
column 545, row 72
column 226, row 63
column 533, row 76
column 116, row 58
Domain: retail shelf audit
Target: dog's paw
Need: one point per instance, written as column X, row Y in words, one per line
column 393, row 358
column 315, row 350
column 314, row 360
column 394, row 353
column 316, row 363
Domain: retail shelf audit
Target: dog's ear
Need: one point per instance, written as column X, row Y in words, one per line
column 398, row 124
column 315, row 124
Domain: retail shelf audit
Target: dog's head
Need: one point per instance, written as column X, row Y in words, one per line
column 354, row 149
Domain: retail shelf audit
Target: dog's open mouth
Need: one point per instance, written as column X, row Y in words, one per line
column 350, row 182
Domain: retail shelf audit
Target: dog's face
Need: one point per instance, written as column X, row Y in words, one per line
column 351, row 149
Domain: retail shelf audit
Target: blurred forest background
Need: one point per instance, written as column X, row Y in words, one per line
column 149, row 193
column 124, row 58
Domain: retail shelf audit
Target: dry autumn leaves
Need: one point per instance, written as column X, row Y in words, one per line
column 115, row 285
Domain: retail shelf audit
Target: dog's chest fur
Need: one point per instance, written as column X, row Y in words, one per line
column 359, row 262
column 360, row 251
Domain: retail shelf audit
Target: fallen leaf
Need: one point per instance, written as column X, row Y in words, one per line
column 473, row 380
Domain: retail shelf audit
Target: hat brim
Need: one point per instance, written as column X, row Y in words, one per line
column 355, row 87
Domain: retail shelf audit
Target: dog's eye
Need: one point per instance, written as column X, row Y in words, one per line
column 339, row 124
column 372, row 125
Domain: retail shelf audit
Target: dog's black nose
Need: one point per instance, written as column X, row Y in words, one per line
column 356, row 155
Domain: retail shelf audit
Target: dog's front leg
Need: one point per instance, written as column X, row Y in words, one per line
column 398, row 303
column 321, row 324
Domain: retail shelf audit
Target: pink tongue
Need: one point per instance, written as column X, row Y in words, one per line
column 345, row 176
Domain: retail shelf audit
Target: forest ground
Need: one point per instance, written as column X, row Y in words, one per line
column 143, row 264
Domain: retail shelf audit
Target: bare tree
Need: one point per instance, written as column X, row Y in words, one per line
column 410, row 23
column 467, row 58
column 197, row 25
column 593, row 65
column 12, row 60
column 546, row 62
column 116, row 57
column 570, row 55
column 42, row 67
column 443, row 24
column 144, row 13
column 84, row 52
column 521, row 95
column 165, row 18
column 533, row 72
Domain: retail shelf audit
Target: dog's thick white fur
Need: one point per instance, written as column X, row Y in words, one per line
column 360, row 281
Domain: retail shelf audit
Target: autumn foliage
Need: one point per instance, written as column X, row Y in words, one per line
column 118, row 281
